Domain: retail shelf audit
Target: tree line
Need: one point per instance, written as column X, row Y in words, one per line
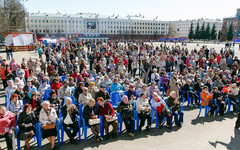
column 205, row 33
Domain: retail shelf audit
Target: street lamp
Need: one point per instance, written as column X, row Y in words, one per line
column 46, row 33
column 25, row 16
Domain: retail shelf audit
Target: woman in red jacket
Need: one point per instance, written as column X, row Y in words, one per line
column 26, row 70
column 57, row 84
column 3, row 76
column 8, row 122
column 107, row 112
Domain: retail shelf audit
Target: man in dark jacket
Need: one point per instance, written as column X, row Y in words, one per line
column 78, row 90
column 102, row 93
column 72, row 122
column 174, row 104
column 218, row 96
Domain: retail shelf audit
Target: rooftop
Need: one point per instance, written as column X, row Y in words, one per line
column 94, row 16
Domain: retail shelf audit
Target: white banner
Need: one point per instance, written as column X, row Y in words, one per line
column 9, row 39
column 23, row 40
column 19, row 39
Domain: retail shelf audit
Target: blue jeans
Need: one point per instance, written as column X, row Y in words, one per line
column 176, row 115
column 129, row 124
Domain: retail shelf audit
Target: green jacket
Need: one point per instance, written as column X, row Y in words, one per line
column 126, row 110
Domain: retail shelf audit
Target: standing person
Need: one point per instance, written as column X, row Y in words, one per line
column 237, row 124
column 145, row 71
column 8, row 122
column 26, row 123
column 174, row 84
column 42, row 65
column 71, row 110
column 11, row 51
column 48, row 117
column 7, row 52
column 3, row 76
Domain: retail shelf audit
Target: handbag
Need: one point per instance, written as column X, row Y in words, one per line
column 50, row 126
column 94, row 121
column 165, row 111
column 68, row 120
column 146, row 114
column 127, row 113
column 113, row 118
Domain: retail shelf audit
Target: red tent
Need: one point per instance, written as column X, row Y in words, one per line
column 62, row 39
column 41, row 39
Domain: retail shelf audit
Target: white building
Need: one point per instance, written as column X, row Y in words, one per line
column 181, row 28
column 94, row 25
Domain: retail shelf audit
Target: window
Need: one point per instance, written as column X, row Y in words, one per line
column 39, row 21
column 35, row 21
column 58, row 21
column 54, row 21
column 31, row 21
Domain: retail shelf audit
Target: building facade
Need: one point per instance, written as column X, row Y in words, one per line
column 94, row 25
column 181, row 28
column 235, row 21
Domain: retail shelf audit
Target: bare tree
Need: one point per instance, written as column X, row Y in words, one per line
column 12, row 16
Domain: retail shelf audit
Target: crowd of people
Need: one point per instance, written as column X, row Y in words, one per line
column 81, row 76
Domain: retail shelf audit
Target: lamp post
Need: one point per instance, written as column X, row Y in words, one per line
column 25, row 16
column 46, row 33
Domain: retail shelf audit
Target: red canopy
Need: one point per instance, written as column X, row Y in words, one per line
column 62, row 39
column 41, row 39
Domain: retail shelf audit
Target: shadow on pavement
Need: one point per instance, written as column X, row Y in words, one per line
column 91, row 143
column 234, row 144
column 202, row 120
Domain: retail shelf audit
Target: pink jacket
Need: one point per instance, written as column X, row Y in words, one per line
column 7, row 121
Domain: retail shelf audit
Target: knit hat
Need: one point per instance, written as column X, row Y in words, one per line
column 124, row 97
column 131, row 86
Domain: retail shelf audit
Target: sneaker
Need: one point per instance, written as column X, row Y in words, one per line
column 100, row 138
column 107, row 136
column 209, row 113
column 160, row 126
column 97, row 138
column 131, row 134
column 179, row 125
column 147, row 128
column 169, row 127
column 114, row 135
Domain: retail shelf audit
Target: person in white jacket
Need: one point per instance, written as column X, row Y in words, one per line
column 144, row 111
column 47, row 117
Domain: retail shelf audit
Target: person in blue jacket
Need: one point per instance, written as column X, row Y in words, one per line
column 115, row 86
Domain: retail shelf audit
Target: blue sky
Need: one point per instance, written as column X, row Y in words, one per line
column 167, row 10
